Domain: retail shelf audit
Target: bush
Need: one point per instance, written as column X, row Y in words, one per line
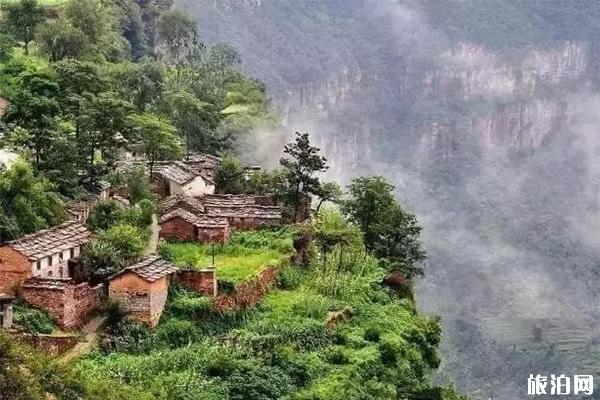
column 127, row 240
column 372, row 335
column 290, row 278
column 101, row 260
column 104, row 215
column 31, row 319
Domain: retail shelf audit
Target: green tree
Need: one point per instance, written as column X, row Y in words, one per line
column 138, row 185
column 20, row 19
column 157, row 137
column 398, row 244
column 329, row 192
column 178, row 38
column 104, row 215
column 34, row 106
column 128, row 240
column 101, row 260
column 230, row 176
column 28, row 203
column 368, row 205
column 59, row 39
column 268, row 183
column 303, row 161
column 6, row 45
column 140, row 83
column 104, row 128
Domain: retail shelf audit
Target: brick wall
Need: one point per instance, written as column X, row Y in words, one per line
column 14, row 269
column 68, row 305
column 202, row 281
column 143, row 300
column 220, row 235
column 249, row 292
column 177, row 228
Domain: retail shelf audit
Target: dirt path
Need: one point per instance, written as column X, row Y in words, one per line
column 90, row 330
column 153, row 242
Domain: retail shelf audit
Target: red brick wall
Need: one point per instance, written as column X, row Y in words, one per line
column 177, row 228
column 249, row 292
column 68, row 306
column 145, row 301
column 220, row 235
column 203, row 281
column 14, row 269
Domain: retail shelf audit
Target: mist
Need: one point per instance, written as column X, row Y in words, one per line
column 496, row 151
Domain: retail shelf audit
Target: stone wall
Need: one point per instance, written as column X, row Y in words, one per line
column 52, row 345
column 68, row 304
column 203, row 281
column 249, row 292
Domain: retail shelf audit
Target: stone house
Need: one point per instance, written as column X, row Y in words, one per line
column 43, row 254
column 142, row 289
column 243, row 211
column 183, row 178
column 184, row 225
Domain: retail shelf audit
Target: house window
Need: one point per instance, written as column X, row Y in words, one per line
column 50, row 260
column 72, row 253
column 60, row 271
column 61, row 257
column 39, row 265
column 49, row 273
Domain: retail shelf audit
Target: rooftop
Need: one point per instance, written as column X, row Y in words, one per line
column 150, row 269
column 201, row 221
column 244, row 211
column 46, row 283
column 50, row 241
column 176, row 201
column 182, row 173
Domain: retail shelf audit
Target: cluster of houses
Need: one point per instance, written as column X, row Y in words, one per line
column 43, row 269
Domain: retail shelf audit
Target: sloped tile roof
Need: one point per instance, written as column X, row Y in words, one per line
column 180, row 200
column 51, row 241
column 182, row 173
column 244, row 211
column 150, row 269
column 201, row 221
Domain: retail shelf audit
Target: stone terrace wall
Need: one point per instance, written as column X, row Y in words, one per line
column 68, row 305
column 249, row 292
column 52, row 345
column 203, row 281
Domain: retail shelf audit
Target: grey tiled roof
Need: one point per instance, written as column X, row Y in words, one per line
column 182, row 173
column 201, row 221
column 46, row 283
column 151, row 268
column 244, row 211
column 180, row 200
column 51, row 241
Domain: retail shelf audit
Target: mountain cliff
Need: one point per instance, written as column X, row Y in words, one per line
column 484, row 115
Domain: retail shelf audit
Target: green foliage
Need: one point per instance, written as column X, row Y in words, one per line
column 101, row 260
column 230, row 176
column 31, row 319
column 104, row 215
column 28, row 202
column 301, row 163
column 59, row 39
column 268, row 183
column 128, row 241
column 20, row 19
column 178, row 38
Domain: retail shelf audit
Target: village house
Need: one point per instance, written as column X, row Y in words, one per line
column 243, row 211
column 142, row 289
column 184, row 225
column 183, row 178
column 43, row 254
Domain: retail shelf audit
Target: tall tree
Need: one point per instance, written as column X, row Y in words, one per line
column 59, row 39
column 368, row 205
column 302, row 163
column 21, row 19
column 230, row 176
column 157, row 138
column 34, row 106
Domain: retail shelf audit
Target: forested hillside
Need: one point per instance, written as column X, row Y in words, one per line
column 91, row 88
column 484, row 115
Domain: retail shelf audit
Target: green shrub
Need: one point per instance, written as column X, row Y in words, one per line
column 32, row 319
column 290, row 278
column 372, row 335
column 336, row 356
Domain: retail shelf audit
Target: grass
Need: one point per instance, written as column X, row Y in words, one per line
column 245, row 255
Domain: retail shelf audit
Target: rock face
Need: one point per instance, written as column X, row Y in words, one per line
column 494, row 147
